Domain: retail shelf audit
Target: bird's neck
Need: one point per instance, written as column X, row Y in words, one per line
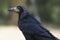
column 23, row 14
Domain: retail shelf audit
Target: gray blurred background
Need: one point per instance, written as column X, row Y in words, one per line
column 47, row 12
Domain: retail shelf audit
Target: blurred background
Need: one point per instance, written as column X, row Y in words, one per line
column 47, row 12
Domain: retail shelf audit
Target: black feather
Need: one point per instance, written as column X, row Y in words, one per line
column 31, row 28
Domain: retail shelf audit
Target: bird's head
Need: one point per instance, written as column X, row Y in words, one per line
column 20, row 10
column 17, row 9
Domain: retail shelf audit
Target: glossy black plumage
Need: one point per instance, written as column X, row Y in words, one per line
column 31, row 28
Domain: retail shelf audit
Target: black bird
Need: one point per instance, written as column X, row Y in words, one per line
column 30, row 27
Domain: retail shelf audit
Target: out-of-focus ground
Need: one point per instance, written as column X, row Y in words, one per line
column 13, row 32
column 10, row 33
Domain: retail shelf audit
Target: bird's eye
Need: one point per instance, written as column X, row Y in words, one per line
column 18, row 7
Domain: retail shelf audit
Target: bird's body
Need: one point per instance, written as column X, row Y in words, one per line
column 31, row 28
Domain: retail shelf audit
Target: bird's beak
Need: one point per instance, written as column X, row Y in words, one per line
column 14, row 9
column 10, row 9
